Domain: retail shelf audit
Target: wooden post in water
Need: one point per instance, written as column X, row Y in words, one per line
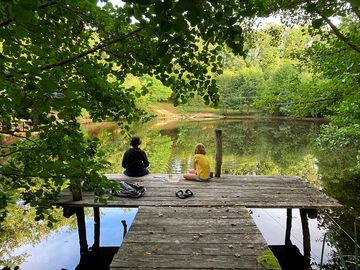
column 306, row 236
column 80, row 215
column 218, row 152
column 96, row 228
column 288, row 226
column 123, row 222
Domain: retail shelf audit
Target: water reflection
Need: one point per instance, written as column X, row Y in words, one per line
column 250, row 146
column 294, row 236
column 97, row 256
column 60, row 249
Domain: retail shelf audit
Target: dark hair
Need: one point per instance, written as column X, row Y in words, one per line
column 135, row 141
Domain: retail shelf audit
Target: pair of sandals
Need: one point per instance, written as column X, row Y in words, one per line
column 129, row 190
column 135, row 191
column 184, row 194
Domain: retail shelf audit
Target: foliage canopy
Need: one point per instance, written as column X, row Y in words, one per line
column 59, row 58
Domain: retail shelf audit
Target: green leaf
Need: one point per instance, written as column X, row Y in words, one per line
column 29, row 4
column 23, row 15
column 162, row 49
column 21, row 31
column 317, row 23
column 310, row 7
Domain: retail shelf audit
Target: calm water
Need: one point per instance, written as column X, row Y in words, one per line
column 59, row 248
column 267, row 147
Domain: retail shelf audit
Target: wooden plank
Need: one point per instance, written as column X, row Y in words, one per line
column 205, row 238
column 196, row 212
column 173, row 242
column 260, row 202
column 181, row 248
column 184, row 262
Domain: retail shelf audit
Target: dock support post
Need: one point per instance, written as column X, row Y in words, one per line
column 218, row 152
column 80, row 215
column 288, row 226
column 306, row 235
column 96, row 228
column 123, row 222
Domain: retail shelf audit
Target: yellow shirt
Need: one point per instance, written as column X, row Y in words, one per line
column 202, row 166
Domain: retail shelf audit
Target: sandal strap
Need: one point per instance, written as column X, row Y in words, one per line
column 180, row 194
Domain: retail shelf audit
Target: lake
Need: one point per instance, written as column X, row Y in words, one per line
column 250, row 147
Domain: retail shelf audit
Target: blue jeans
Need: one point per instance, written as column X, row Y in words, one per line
column 138, row 173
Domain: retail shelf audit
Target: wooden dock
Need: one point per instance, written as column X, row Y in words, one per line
column 210, row 230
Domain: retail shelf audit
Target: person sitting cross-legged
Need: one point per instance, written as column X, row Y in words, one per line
column 201, row 171
column 135, row 160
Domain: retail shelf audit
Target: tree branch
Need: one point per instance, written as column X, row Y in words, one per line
column 92, row 50
column 337, row 31
column 100, row 46
column 111, row 53
column 48, row 4
column 17, row 136
column 16, row 151
column 24, row 175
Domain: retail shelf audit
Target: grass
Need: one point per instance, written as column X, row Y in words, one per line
column 342, row 257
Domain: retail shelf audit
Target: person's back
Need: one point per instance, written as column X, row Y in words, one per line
column 135, row 160
column 202, row 166
column 201, row 169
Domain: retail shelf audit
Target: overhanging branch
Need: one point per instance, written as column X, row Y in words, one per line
column 17, row 136
column 16, row 151
column 48, row 4
column 98, row 47
column 31, row 175
column 337, row 31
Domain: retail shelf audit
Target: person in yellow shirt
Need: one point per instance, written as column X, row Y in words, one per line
column 201, row 171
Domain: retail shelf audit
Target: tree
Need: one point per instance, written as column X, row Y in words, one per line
column 60, row 58
column 148, row 89
column 239, row 89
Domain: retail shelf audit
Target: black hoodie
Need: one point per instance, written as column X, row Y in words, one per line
column 135, row 159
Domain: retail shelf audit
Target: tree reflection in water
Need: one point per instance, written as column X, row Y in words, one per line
column 59, row 248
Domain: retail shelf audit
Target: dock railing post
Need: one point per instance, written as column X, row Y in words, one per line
column 218, row 152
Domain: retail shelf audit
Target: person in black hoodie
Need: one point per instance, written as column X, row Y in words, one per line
column 135, row 160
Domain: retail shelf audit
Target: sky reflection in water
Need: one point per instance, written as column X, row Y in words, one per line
column 272, row 224
column 61, row 250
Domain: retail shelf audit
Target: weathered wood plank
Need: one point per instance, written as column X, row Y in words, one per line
column 196, row 213
column 180, row 248
column 262, row 202
column 205, row 238
column 184, row 262
column 186, row 243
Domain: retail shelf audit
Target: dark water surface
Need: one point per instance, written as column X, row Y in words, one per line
column 250, row 147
